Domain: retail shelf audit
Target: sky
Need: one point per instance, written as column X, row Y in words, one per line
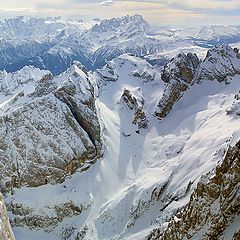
column 157, row 12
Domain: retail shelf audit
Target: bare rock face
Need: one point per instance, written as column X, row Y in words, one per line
column 49, row 131
column 220, row 63
column 178, row 75
column 5, row 228
column 78, row 95
column 135, row 102
column 213, row 207
column 181, row 68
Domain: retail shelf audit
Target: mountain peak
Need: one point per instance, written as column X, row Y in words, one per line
column 220, row 64
column 114, row 23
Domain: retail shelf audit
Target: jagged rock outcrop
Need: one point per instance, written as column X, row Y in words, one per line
column 221, row 63
column 135, row 102
column 181, row 68
column 30, row 217
column 214, row 206
column 5, row 227
column 49, row 128
column 178, row 75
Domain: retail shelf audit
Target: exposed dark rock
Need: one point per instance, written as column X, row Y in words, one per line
column 83, row 109
column 178, row 75
column 136, row 104
column 145, row 74
column 181, row 68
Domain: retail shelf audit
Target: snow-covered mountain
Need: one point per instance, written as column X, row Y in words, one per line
column 123, row 152
column 54, row 43
column 49, row 126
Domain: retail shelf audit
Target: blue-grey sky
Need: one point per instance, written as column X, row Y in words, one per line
column 157, row 12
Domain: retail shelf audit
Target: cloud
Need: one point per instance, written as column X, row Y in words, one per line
column 106, row 3
column 17, row 9
column 160, row 12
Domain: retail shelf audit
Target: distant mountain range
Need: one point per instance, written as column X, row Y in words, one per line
column 54, row 43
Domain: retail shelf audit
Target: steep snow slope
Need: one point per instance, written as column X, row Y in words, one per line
column 145, row 175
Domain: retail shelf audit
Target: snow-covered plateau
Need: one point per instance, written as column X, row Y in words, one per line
column 146, row 146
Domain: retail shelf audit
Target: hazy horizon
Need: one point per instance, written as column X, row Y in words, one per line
column 156, row 12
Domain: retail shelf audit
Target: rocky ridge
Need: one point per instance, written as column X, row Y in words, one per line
column 220, row 64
